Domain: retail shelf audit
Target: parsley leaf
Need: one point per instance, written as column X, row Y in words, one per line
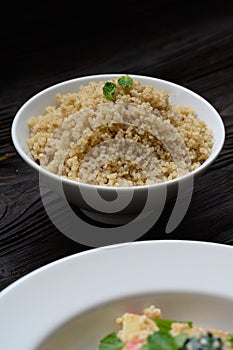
column 145, row 347
column 109, row 90
column 125, row 81
column 165, row 325
column 162, row 341
column 230, row 338
column 180, row 340
column 110, row 342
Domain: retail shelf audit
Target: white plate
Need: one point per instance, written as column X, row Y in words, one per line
column 72, row 303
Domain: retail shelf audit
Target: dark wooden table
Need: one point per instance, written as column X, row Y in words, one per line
column 184, row 42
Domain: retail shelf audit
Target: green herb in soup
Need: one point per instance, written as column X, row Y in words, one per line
column 111, row 342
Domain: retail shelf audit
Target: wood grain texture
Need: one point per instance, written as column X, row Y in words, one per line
column 188, row 44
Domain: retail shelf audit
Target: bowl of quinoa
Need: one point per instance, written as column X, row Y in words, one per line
column 135, row 137
column 117, row 131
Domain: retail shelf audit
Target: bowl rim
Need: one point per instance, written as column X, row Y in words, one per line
column 144, row 244
column 105, row 76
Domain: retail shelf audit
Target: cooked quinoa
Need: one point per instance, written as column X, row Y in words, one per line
column 139, row 138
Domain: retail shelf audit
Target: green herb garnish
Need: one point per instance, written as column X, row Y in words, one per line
column 180, row 340
column 109, row 90
column 125, row 81
column 110, row 342
column 230, row 338
column 161, row 340
column 164, row 341
column 165, row 325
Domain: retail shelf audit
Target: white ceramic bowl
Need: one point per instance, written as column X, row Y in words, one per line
column 82, row 194
column 72, row 303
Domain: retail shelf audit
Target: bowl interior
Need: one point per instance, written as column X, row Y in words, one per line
column 86, row 330
column 178, row 94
